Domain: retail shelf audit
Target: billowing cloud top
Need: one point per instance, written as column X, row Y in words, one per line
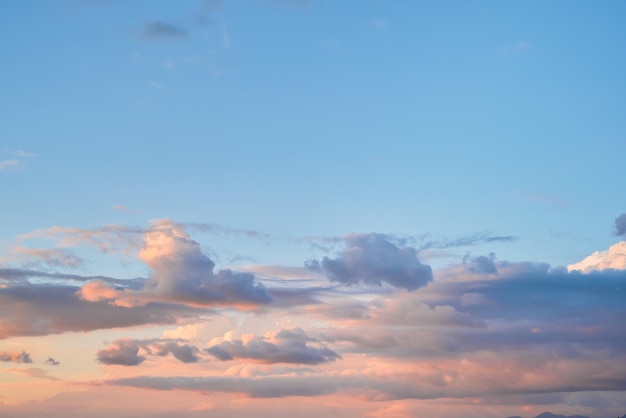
column 613, row 258
column 374, row 259
column 181, row 272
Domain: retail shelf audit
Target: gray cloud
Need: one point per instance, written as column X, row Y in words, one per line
column 126, row 351
column 481, row 264
column 30, row 310
column 620, row 225
column 470, row 240
column 289, row 346
column 182, row 352
column 374, row 259
column 122, row 352
column 389, row 387
column 17, row 357
column 52, row 362
column 162, row 30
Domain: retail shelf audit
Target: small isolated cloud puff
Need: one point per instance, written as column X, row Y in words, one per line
column 124, row 352
column 52, row 362
column 374, row 259
column 162, row 30
column 8, row 163
column 21, row 357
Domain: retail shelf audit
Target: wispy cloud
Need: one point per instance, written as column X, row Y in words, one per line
column 8, row 164
column 162, row 30
column 36, row 373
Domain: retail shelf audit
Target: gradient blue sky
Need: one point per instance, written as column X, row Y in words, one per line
column 320, row 118
column 301, row 119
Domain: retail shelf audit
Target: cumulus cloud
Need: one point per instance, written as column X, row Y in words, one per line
column 181, row 272
column 126, row 351
column 183, row 352
column 286, row 346
column 122, row 352
column 16, row 357
column 613, row 258
column 374, row 259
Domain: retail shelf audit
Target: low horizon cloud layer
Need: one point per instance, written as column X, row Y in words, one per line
column 370, row 320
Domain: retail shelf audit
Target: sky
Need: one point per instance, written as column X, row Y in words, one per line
column 302, row 207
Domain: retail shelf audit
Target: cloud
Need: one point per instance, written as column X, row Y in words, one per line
column 22, row 276
column 122, row 352
column 107, row 238
column 286, row 346
column 162, row 30
column 36, row 373
column 620, row 225
column 374, row 259
column 481, row 264
column 21, row 357
column 182, row 352
column 126, row 351
column 52, row 362
column 39, row 257
column 8, row 164
column 391, row 385
column 29, row 310
column 465, row 241
column 24, row 154
column 613, row 258
column 181, row 272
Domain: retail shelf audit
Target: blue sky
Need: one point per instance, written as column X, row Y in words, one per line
column 320, row 118
column 294, row 119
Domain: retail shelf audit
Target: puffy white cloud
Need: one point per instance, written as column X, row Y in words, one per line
column 613, row 258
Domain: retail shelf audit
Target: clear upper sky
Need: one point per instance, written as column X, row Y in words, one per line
column 271, row 129
column 319, row 118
